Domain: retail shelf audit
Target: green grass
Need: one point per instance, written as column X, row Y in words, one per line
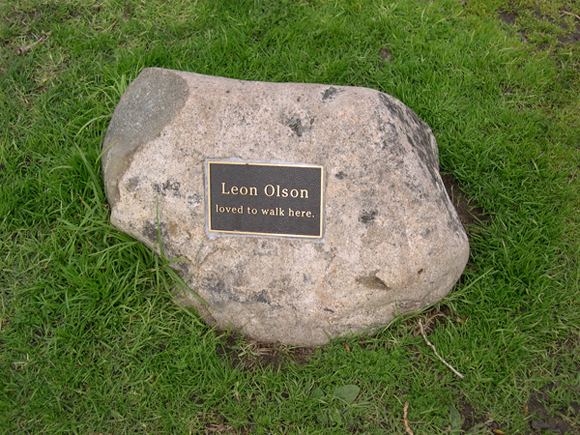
column 90, row 339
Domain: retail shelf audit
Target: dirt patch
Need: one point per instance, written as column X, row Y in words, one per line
column 546, row 416
column 473, row 420
column 215, row 424
column 249, row 354
column 508, row 17
column 433, row 319
column 545, row 422
column 386, row 54
column 470, row 213
column 571, row 35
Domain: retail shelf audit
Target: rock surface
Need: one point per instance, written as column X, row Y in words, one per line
column 393, row 242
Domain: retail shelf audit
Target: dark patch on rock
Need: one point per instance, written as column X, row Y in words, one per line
column 151, row 231
column 341, row 175
column 411, row 114
column 194, row 199
column 173, row 185
column 392, row 148
column 329, row 94
column 373, row 282
column 169, row 185
column 149, row 104
column 265, row 247
column 390, row 104
column 282, row 283
column 296, row 125
column 453, row 224
column 263, row 297
column 408, row 305
column 329, row 310
column 132, row 184
column 368, row 217
column 217, row 288
column 419, row 140
column 183, row 267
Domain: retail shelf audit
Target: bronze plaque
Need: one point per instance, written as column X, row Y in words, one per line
column 264, row 199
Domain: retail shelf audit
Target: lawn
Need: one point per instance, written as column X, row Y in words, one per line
column 91, row 341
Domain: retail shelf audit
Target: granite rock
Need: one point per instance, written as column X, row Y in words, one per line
column 393, row 242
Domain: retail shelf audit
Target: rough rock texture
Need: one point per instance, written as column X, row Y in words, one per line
column 393, row 241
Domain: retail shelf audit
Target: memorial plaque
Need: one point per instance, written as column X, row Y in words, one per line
column 264, row 199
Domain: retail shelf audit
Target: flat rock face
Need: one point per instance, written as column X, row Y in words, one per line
column 392, row 240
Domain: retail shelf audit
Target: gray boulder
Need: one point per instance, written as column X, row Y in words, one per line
column 392, row 240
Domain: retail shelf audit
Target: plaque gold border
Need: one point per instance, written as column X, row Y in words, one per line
column 207, row 171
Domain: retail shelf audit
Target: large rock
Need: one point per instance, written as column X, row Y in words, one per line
column 392, row 242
